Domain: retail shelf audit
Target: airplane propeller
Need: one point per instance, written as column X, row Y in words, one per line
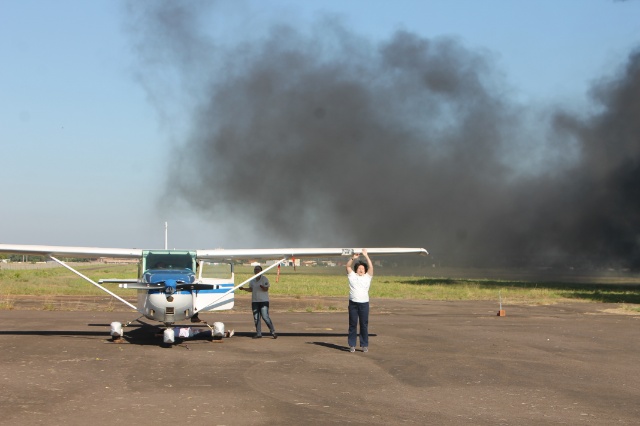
column 168, row 288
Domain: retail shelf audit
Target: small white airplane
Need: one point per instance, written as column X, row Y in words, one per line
column 173, row 285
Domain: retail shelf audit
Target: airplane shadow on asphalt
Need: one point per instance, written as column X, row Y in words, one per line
column 148, row 334
column 141, row 332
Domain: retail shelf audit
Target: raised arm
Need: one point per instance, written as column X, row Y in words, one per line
column 366, row 256
column 350, row 262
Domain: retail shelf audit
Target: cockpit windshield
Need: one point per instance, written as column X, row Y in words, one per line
column 169, row 259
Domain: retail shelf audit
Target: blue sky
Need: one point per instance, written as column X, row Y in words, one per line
column 84, row 150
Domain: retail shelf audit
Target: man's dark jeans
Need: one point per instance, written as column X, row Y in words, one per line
column 358, row 312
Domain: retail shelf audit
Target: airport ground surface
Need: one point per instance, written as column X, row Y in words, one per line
column 444, row 363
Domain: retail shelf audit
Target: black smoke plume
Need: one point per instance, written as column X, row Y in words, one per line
column 321, row 137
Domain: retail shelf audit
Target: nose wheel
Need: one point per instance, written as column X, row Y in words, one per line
column 116, row 332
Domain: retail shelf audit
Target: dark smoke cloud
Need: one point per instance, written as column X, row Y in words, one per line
column 325, row 138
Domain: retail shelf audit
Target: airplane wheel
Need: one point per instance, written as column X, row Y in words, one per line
column 169, row 336
column 116, row 329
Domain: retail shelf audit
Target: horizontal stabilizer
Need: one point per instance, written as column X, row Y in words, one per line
column 141, row 286
column 118, row 281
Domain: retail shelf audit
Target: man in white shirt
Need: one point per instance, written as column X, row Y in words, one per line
column 259, row 288
column 359, row 283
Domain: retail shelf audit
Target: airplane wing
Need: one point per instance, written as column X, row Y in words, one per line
column 215, row 254
column 223, row 254
column 66, row 251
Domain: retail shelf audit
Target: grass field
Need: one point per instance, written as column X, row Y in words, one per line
column 513, row 287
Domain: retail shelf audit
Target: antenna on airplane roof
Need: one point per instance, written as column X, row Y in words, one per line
column 166, row 235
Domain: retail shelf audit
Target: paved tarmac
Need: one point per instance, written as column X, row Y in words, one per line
column 444, row 363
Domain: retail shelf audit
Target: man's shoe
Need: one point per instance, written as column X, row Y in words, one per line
column 365, row 349
column 275, row 336
column 258, row 336
column 352, row 349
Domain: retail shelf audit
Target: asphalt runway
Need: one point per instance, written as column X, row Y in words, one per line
column 444, row 363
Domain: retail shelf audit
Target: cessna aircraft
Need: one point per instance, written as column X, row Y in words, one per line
column 172, row 285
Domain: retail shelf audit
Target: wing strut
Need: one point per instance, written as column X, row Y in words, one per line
column 243, row 283
column 94, row 283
